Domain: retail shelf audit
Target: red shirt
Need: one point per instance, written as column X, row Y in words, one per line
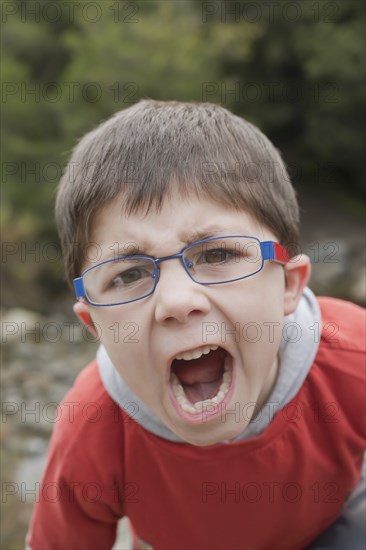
column 279, row 490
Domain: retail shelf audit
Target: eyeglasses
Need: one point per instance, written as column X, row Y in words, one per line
column 212, row 261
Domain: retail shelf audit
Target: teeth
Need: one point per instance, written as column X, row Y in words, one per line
column 195, row 354
column 199, row 406
column 227, row 376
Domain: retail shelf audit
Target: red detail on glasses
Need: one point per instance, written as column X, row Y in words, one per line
column 281, row 253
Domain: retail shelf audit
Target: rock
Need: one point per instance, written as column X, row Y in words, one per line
column 20, row 325
column 29, row 472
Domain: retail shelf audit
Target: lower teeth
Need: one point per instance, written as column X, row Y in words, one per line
column 199, row 406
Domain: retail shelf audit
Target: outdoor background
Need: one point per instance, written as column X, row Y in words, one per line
column 295, row 69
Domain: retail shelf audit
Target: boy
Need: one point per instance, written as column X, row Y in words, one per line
column 224, row 409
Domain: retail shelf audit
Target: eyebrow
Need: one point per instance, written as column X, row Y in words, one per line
column 206, row 233
column 133, row 249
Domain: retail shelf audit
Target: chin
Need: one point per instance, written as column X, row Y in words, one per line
column 205, row 434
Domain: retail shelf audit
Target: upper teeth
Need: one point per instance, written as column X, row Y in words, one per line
column 195, row 354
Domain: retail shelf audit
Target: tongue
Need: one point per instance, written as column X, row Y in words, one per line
column 201, row 392
column 202, row 377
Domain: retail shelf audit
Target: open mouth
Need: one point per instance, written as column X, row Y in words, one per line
column 201, row 377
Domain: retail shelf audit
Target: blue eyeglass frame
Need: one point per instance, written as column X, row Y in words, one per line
column 270, row 250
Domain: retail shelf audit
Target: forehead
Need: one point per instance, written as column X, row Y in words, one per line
column 165, row 231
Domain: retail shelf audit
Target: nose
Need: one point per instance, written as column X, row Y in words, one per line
column 177, row 296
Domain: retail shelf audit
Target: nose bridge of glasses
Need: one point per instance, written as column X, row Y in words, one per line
column 178, row 256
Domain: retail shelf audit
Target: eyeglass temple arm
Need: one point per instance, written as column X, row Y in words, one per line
column 274, row 252
column 79, row 288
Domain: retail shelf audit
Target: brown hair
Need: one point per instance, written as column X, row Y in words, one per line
column 155, row 148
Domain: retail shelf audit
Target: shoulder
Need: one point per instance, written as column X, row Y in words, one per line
column 340, row 360
column 342, row 343
column 343, row 325
column 337, row 378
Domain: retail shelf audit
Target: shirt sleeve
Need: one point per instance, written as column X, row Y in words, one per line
column 71, row 513
column 349, row 531
column 79, row 502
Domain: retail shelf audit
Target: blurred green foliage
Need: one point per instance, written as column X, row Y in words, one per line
column 293, row 68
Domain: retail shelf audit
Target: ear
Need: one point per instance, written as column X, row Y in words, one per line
column 81, row 310
column 297, row 273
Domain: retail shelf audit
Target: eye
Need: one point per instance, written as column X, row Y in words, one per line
column 217, row 256
column 130, row 276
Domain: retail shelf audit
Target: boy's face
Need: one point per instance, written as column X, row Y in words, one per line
column 243, row 318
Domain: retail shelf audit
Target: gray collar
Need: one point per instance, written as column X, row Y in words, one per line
column 299, row 346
